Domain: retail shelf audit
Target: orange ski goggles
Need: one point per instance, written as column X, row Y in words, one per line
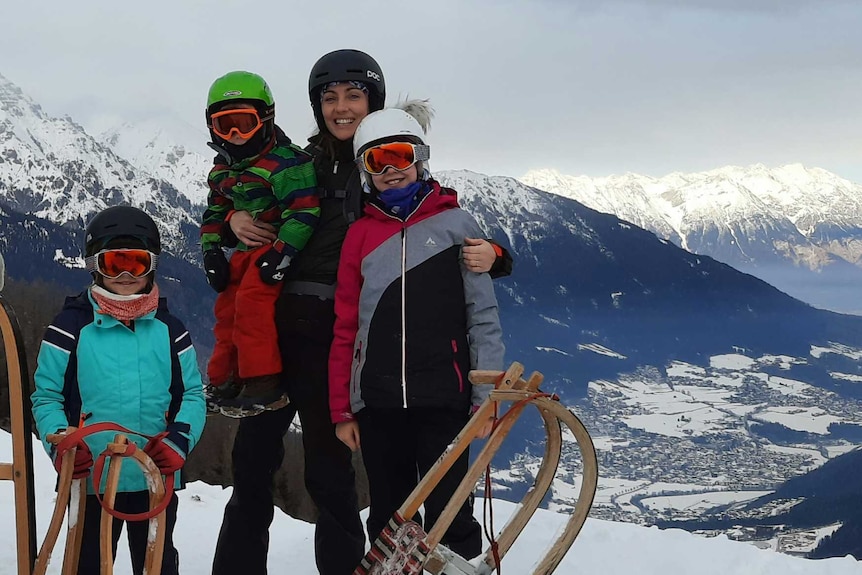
column 114, row 263
column 397, row 155
column 236, row 122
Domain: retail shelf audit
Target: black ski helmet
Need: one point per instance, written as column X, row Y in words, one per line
column 121, row 221
column 344, row 66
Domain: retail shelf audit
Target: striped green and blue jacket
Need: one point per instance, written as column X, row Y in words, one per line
column 278, row 186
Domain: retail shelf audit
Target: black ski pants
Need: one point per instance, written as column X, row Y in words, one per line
column 399, row 446
column 305, row 334
column 89, row 562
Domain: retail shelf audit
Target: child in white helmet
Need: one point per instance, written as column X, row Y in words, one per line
column 411, row 322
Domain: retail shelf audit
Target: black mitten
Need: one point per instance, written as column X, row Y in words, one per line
column 217, row 269
column 272, row 263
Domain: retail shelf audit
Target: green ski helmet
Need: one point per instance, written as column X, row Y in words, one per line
column 242, row 87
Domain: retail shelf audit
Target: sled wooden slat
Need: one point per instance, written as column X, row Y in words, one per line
column 459, row 444
column 75, row 529
column 64, row 490
column 157, row 524
column 20, row 471
column 106, row 525
column 492, row 445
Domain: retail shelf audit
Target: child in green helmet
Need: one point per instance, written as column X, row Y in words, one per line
column 257, row 170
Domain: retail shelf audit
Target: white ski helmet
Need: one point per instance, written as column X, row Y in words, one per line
column 406, row 123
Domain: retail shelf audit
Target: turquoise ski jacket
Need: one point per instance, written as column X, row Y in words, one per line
column 93, row 368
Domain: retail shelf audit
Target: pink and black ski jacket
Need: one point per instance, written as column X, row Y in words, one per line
column 411, row 320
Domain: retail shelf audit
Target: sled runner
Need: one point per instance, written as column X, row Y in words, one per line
column 404, row 548
column 71, row 493
column 160, row 495
column 20, row 470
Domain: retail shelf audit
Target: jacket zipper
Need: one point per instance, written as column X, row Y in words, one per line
column 455, row 365
column 354, row 384
column 404, row 314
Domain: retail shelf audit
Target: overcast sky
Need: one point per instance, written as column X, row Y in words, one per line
column 586, row 87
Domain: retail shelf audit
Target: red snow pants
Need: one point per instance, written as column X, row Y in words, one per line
column 246, row 341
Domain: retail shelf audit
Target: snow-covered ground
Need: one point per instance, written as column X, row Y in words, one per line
column 696, row 401
column 603, row 546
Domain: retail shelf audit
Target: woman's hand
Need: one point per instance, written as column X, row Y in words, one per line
column 479, row 255
column 250, row 231
column 348, row 433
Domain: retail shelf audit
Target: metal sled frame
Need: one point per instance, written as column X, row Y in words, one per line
column 426, row 554
column 20, row 470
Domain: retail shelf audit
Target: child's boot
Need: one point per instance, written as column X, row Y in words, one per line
column 214, row 395
column 258, row 394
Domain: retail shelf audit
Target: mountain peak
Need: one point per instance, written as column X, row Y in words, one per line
column 53, row 169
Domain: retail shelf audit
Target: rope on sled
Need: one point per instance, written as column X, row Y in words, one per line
column 76, row 438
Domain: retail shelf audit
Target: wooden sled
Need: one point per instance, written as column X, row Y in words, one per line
column 156, row 534
column 403, row 548
column 20, row 470
column 72, row 494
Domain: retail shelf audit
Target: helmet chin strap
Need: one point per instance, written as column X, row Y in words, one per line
column 233, row 153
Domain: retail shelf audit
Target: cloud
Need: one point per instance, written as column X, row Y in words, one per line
column 625, row 85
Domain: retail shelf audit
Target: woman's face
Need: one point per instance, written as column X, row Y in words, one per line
column 343, row 106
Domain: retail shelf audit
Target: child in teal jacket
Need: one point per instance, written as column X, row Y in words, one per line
column 115, row 354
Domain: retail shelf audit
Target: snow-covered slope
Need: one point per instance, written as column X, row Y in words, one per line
column 603, row 546
column 177, row 155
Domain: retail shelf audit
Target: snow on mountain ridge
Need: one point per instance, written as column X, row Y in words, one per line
column 51, row 168
column 504, row 203
column 156, row 151
column 809, row 208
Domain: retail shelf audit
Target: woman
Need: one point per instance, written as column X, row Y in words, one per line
column 344, row 86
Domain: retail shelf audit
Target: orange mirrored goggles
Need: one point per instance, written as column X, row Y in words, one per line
column 397, row 155
column 236, row 122
column 114, row 263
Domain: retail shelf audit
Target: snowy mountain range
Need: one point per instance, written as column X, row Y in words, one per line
column 798, row 228
column 609, row 312
column 151, row 148
column 52, row 169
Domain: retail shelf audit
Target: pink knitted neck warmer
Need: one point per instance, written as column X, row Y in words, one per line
column 125, row 307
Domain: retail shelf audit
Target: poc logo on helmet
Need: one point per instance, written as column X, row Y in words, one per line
column 372, row 74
